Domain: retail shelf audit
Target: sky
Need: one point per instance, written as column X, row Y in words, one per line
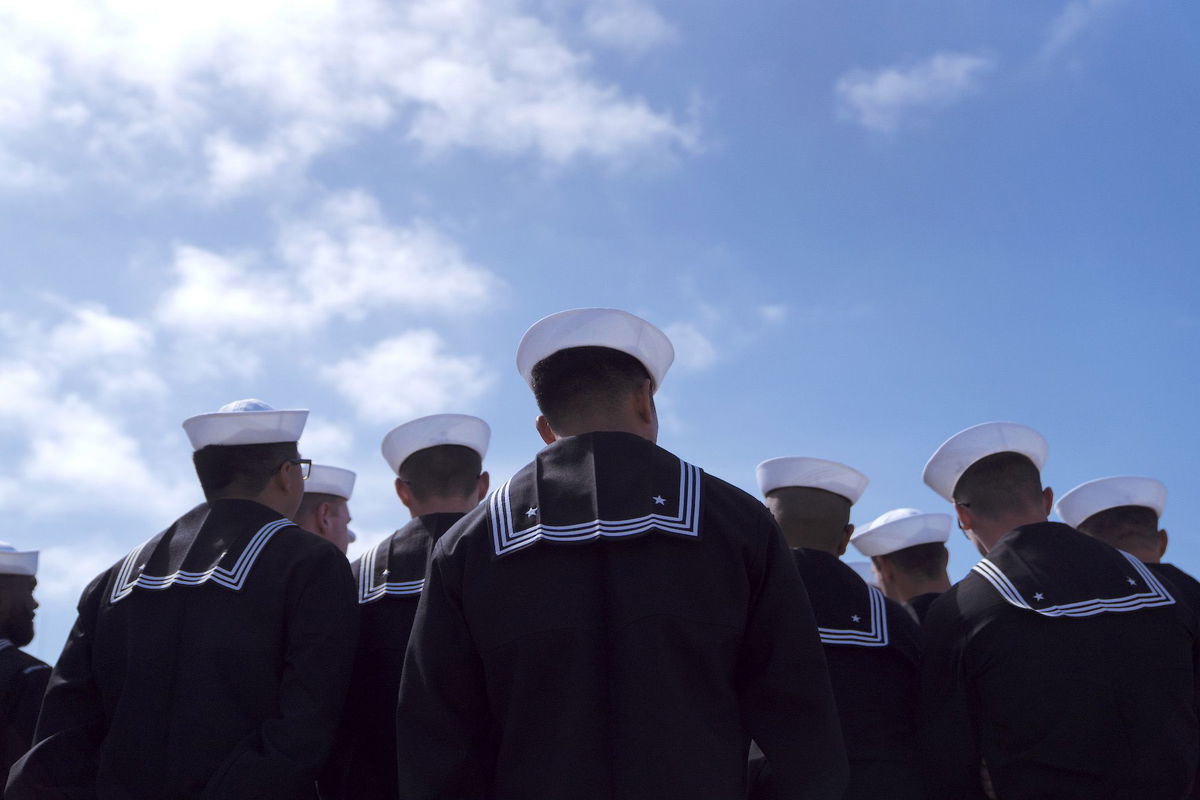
column 865, row 226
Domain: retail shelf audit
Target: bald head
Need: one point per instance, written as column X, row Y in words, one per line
column 812, row 518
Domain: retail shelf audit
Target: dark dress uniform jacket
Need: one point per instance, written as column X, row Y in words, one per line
column 210, row 662
column 390, row 578
column 614, row 623
column 1068, row 668
column 873, row 649
column 919, row 604
column 22, row 684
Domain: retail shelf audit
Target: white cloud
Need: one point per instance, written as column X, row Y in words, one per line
column 693, row 350
column 626, row 24
column 773, row 314
column 64, row 570
column 326, row 442
column 881, row 100
column 342, row 262
column 1075, row 18
column 227, row 94
column 407, row 376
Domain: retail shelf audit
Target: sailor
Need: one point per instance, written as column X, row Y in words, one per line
column 1059, row 667
column 325, row 507
column 871, row 642
column 438, row 463
column 908, row 553
column 1124, row 512
column 211, row 661
column 22, row 677
column 612, row 622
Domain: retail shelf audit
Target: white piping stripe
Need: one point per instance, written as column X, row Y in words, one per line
column 5, row 644
column 369, row 591
column 685, row 521
column 34, row 668
column 876, row 636
column 1157, row 596
column 229, row 578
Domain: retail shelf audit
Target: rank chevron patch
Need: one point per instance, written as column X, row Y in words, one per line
column 372, row 586
column 1157, row 595
column 685, row 520
column 232, row 578
column 876, row 634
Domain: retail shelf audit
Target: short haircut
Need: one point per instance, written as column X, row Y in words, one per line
column 310, row 501
column 999, row 484
column 579, row 378
column 810, row 517
column 926, row 560
column 241, row 469
column 446, row 470
column 1123, row 527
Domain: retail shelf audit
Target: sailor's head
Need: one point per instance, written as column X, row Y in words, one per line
column 992, row 475
column 810, row 498
column 907, row 550
column 325, row 508
column 594, row 369
column 1121, row 511
column 18, row 578
column 248, row 450
column 438, row 462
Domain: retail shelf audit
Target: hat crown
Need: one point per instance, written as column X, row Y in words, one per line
column 249, row 404
column 892, row 516
column 434, row 430
column 958, row 453
column 811, row 473
column 1101, row 494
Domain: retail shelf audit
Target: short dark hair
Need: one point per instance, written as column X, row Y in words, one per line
column 811, row 517
column 999, row 483
column 571, row 380
column 311, row 500
column 1123, row 526
column 926, row 560
column 239, row 469
column 446, row 470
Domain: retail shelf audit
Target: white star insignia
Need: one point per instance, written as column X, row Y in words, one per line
column 856, row 618
column 1131, row 581
column 532, row 512
column 659, row 500
column 385, row 572
column 1039, row 596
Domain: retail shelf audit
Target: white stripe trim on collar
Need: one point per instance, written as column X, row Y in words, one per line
column 1155, row 597
column 685, row 521
column 5, row 644
column 369, row 591
column 876, row 636
column 233, row 578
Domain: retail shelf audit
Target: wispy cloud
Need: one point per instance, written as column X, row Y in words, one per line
column 1075, row 19
column 627, row 24
column 884, row 99
column 693, row 349
column 227, row 95
column 343, row 261
column 407, row 376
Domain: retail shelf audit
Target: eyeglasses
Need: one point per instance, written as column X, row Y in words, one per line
column 305, row 465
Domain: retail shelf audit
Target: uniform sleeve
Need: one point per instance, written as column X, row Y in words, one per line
column 442, row 718
column 786, row 698
column 284, row 756
column 949, row 744
column 32, row 688
column 63, row 761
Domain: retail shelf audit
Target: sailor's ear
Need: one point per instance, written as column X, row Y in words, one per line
column 321, row 516
column 484, row 483
column 847, row 532
column 404, row 492
column 644, row 402
column 1162, row 543
column 1048, row 499
column 965, row 521
column 544, row 430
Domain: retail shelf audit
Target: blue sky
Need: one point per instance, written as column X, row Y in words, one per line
column 866, row 226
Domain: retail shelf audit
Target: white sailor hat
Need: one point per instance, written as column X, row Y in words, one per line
column 323, row 479
column 596, row 327
column 964, row 448
column 901, row 528
column 17, row 562
column 1099, row 495
column 811, row 473
column 245, row 422
column 438, row 429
